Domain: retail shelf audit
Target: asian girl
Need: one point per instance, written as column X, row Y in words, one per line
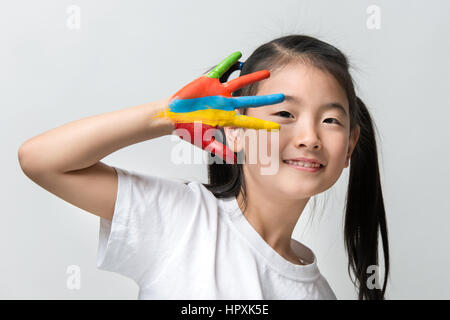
column 230, row 238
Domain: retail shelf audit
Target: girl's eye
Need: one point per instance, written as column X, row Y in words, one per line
column 335, row 120
column 284, row 113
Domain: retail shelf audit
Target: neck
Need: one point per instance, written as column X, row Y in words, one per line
column 274, row 220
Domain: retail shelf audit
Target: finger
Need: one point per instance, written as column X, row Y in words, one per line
column 254, row 123
column 221, row 151
column 212, row 117
column 243, row 81
column 203, row 103
column 195, row 133
column 209, row 102
column 198, row 135
column 223, row 66
column 258, row 101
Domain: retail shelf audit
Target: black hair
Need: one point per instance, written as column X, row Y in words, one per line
column 364, row 210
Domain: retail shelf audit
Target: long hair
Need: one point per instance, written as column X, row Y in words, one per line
column 364, row 208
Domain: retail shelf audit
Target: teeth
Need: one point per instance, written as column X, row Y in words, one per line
column 303, row 164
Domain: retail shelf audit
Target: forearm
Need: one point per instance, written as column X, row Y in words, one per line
column 82, row 143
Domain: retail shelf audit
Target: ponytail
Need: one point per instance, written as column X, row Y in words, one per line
column 364, row 212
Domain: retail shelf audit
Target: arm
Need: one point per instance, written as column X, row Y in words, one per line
column 66, row 160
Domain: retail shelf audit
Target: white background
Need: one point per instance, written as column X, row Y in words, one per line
column 131, row 52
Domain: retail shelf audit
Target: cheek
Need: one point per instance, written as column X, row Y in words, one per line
column 274, row 143
column 268, row 142
column 337, row 150
column 263, row 146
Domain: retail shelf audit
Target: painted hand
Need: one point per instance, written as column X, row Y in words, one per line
column 206, row 104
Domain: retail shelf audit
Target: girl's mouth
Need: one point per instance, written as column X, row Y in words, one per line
column 304, row 166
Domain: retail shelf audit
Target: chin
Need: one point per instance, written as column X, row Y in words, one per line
column 304, row 186
column 298, row 190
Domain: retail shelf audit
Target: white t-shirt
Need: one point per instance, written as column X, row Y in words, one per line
column 179, row 241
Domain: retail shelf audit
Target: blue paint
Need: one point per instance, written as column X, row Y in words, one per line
column 224, row 103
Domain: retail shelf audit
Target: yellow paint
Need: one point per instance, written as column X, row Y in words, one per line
column 222, row 118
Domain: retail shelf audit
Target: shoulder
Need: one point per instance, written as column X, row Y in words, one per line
column 201, row 188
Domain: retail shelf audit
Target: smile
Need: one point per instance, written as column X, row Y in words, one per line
column 304, row 166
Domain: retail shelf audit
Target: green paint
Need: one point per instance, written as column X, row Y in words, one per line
column 226, row 63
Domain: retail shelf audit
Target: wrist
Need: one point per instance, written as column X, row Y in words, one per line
column 160, row 126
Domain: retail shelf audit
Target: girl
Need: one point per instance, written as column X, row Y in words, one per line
column 230, row 238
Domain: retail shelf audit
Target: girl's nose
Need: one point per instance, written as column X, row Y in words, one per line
column 308, row 139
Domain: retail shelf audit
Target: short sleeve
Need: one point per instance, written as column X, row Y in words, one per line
column 151, row 214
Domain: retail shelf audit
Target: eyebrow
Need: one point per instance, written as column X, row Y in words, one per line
column 331, row 105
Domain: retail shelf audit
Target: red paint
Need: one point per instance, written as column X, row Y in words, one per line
column 210, row 145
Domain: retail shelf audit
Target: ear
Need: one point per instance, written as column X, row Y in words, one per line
column 234, row 136
column 354, row 136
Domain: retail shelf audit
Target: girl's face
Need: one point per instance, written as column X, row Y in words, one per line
column 314, row 123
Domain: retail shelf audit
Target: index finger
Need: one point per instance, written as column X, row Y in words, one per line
column 223, row 66
column 257, row 101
